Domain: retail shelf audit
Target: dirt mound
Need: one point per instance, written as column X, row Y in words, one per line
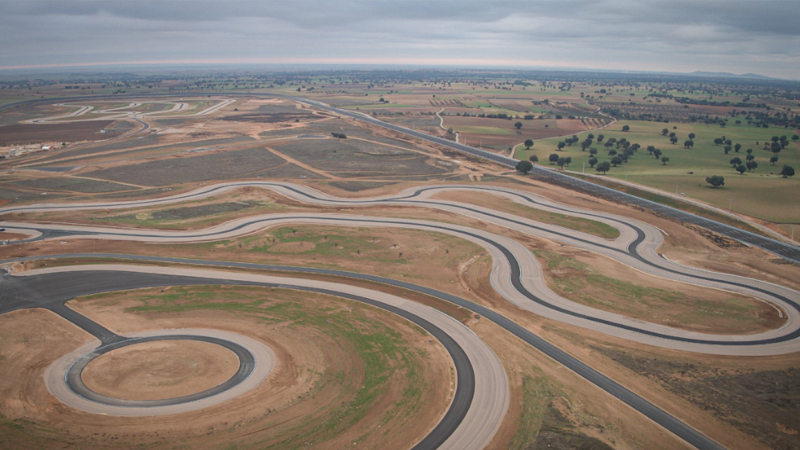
column 159, row 370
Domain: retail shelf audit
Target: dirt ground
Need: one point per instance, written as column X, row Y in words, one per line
column 159, row 370
column 318, row 374
column 20, row 134
column 531, row 129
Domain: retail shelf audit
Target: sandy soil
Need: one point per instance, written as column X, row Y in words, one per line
column 531, row 129
column 158, row 370
column 19, row 134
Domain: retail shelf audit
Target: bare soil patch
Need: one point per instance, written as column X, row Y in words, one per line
column 6, row 236
column 72, row 184
column 296, row 115
column 353, row 158
column 191, row 168
column 763, row 403
column 470, row 129
column 159, row 370
column 20, row 134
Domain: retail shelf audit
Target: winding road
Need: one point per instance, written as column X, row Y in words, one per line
column 122, row 112
column 516, row 274
column 784, row 250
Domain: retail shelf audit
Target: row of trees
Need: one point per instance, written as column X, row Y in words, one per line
column 718, row 181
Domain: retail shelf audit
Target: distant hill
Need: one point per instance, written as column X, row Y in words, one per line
column 729, row 75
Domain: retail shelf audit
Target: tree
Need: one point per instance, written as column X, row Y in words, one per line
column 590, row 136
column 750, row 157
column 657, row 153
column 735, row 161
column 795, row 137
column 664, row 160
column 518, row 125
column 673, row 139
column 715, row 181
column 749, row 151
column 561, row 162
column 569, row 160
column 692, row 136
column 741, row 169
column 727, row 149
column 592, row 151
column 787, row 171
column 561, row 145
column 603, row 167
column 737, row 147
column 688, row 143
column 718, row 141
column 672, row 134
column 616, row 161
column 728, row 142
column 528, row 143
column 626, row 128
column 553, row 158
column 600, row 138
column 524, row 167
column 534, row 159
column 612, row 152
column 592, row 162
column 751, row 165
column 650, row 149
column 775, row 147
column 586, row 144
column 773, row 160
column 664, row 132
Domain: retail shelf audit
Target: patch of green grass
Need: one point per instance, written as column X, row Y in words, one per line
column 573, row 223
column 675, row 203
column 535, row 398
column 583, row 283
column 380, row 106
column 494, row 131
column 761, row 193
column 199, row 214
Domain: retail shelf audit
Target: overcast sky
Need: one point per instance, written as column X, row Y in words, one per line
column 759, row 36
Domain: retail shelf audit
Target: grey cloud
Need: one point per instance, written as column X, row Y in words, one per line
column 654, row 34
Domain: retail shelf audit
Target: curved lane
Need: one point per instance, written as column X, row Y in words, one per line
column 517, row 274
column 479, row 403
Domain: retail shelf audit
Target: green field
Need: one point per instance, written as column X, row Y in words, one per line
column 761, row 193
column 381, row 106
column 481, row 130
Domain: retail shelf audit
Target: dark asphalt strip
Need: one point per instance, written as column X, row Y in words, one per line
column 661, row 417
column 52, row 290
